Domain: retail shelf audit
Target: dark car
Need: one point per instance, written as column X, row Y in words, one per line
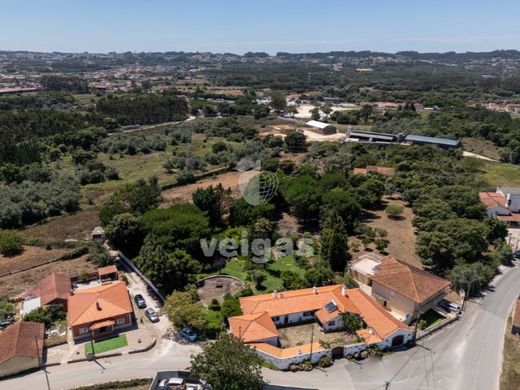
column 189, row 334
column 151, row 314
column 517, row 254
column 139, row 301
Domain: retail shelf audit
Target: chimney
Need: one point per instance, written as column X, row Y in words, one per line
column 314, row 290
column 98, row 306
column 274, row 294
column 281, row 295
column 344, row 290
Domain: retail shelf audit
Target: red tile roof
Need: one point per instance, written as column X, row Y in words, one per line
column 52, row 287
column 374, row 315
column 109, row 269
column 253, row 327
column 284, row 353
column 297, row 301
column 23, row 339
column 411, row 282
column 492, row 199
column 355, row 301
column 98, row 304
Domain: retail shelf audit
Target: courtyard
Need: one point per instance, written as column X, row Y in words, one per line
column 302, row 334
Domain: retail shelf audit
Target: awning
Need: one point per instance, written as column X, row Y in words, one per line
column 102, row 324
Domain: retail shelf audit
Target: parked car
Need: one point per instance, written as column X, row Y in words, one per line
column 171, row 384
column 517, row 254
column 151, row 315
column 450, row 306
column 189, row 334
column 139, row 301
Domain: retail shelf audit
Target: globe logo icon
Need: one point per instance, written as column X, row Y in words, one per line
column 255, row 186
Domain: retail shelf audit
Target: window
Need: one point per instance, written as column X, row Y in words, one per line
column 120, row 321
column 275, row 318
column 331, row 323
column 83, row 330
column 308, row 313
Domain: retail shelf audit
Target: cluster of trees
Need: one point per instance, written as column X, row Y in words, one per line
column 32, row 201
column 143, row 108
column 132, row 144
column 64, row 83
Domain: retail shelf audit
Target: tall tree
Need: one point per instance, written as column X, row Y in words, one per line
column 334, row 248
column 228, row 364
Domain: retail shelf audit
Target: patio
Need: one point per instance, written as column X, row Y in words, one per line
column 301, row 334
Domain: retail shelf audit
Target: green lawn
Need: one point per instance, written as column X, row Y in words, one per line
column 500, row 174
column 235, row 267
column 432, row 318
column 107, row 345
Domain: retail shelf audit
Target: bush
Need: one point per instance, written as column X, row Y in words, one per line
column 325, row 361
column 10, row 243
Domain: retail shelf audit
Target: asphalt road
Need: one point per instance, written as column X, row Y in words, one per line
column 465, row 355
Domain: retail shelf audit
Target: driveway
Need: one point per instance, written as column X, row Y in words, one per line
column 137, row 286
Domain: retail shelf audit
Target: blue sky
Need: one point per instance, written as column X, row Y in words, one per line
column 258, row 25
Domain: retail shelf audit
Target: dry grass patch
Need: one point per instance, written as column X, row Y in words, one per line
column 30, row 257
column 510, row 378
column 13, row 285
column 401, row 233
column 76, row 226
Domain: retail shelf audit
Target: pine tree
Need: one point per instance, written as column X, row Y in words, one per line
column 334, row 248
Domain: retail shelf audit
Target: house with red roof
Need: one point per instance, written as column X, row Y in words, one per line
column 403, row 289
column 99, row 311
column 53, row 289
column 327, row 305
column 21, row 348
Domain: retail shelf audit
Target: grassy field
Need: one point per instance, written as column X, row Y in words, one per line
column 482, row 147
column 107, row 345
column 499, row 174
column 510, row 378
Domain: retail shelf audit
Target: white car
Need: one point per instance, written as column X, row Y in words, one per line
column 171, row 383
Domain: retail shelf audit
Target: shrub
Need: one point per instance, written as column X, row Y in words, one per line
column 325, row 361
column 10, row 243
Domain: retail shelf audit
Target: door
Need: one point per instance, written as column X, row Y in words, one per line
column 397, row 340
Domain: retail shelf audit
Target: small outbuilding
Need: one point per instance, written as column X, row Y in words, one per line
column 323, row 128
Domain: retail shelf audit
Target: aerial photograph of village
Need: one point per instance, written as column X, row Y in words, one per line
column 276, row 195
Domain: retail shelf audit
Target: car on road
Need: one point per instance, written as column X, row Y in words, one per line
column 139, row 301
column 450, row 306
column 189, row 334
column 151, row 315
column 171, row 384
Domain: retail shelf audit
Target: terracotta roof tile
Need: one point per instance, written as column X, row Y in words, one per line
column 22, row 339
column 374, row 315
column 98, row 304
column 283, row 353
column 296, row 301
column 54, row 286
column 411, row 282
column 253, row 327
column 492, row 199
column 109, row 269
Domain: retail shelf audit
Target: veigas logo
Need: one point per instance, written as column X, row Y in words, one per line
column 255, row 186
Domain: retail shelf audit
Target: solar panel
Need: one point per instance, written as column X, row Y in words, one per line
column 331, row 306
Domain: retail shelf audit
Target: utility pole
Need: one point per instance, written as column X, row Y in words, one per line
column 387, row 385
column 312, row 341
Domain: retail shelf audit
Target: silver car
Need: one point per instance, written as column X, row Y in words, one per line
column 151, row 315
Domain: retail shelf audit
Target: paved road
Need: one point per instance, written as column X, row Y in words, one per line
column 465, row 355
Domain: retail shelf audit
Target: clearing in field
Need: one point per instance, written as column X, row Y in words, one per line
column 77, row 226
column 401, row 233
